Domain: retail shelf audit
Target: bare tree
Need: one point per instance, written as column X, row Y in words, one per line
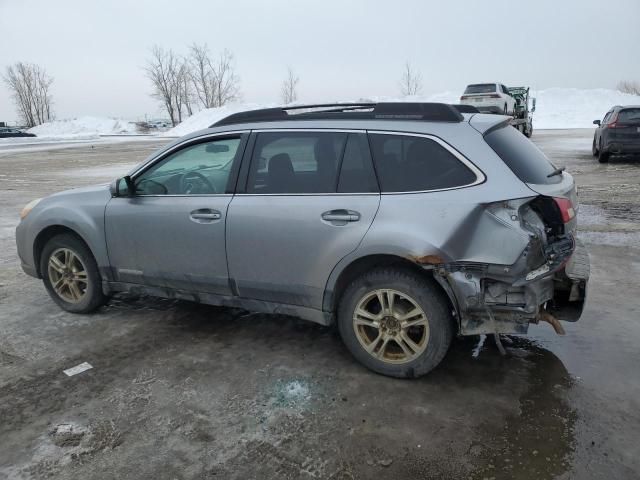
column 181, row 83
column 214, row 81
column 411, row 82
column 30, row 87
column 161, row 70
column 629, row 86
column 187, row 96
column 225, row 81
column 289, row 92
column 202, row 75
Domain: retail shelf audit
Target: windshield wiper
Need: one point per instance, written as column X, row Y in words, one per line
column 557, row 171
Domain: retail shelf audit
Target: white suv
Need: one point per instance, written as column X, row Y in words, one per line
column 489, row 98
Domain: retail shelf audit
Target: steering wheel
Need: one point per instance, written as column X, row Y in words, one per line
column 187, row 187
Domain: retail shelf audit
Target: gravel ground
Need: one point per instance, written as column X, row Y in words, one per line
column 185, row 391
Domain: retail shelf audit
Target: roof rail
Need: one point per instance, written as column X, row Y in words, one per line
column 435, row 112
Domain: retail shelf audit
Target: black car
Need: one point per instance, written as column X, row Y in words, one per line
column 13, row 132
column 618, row 133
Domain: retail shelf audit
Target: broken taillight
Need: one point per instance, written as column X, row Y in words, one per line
column 566, row 208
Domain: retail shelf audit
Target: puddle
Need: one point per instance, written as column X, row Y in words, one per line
column 538, row 441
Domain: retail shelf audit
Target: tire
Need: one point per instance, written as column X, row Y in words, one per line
column 430, row 340
column 81, row 266
column 603, row 157
column 594, row 149
column 528, row 131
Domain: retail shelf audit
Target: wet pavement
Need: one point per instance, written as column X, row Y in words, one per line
column 185, row 391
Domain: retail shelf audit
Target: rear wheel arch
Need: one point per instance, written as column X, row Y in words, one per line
column 360, row 266
column 47, row 234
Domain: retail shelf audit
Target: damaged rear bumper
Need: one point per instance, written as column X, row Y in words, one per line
column 491, row 299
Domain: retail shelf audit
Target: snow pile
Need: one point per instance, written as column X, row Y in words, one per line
column 575, row 107
column 83, row 128
column 207, row 117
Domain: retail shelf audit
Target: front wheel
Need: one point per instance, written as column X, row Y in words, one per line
column 395, row 322
column 70, row 274
column 594, row 148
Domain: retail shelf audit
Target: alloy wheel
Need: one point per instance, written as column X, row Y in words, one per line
column 391, row 326
column 68, row 275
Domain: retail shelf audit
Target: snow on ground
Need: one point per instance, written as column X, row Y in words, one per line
column 556, row 108
column 82, row 128
column 76, row 130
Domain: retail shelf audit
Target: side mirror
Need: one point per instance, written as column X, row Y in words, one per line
column 122, row 187
column 596, row 122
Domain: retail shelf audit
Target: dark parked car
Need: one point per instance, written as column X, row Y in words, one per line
column 13, row 132
column 618, row 133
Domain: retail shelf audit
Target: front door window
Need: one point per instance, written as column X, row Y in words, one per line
column 200, row 169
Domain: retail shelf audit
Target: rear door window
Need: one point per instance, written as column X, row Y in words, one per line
column 523, row 158
column 296, row 162
column 413, row 164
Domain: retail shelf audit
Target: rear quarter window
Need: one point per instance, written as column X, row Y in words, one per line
column 413, row 164
column 523, row 158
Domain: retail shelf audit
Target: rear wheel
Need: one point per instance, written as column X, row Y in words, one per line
column 603, row 157
column 70, row 274
column 395, row 322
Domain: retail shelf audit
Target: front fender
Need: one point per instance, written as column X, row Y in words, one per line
column 81, row 211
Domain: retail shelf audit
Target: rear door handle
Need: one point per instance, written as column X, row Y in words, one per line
column 341, row 216
column 205, row 215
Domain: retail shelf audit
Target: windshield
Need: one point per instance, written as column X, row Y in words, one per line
column 481, row 88
column 525, row 159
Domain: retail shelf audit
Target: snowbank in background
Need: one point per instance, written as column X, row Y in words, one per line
column 206, row 118
column 82, row 128
column 575, row 107
column 555, row 108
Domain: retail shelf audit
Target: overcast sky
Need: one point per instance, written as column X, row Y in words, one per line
column 95, row 50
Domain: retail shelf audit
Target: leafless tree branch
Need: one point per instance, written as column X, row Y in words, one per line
column 629, row 86
column 411, row 82
column 30, row 87
column 289, row 92
column 226, row 82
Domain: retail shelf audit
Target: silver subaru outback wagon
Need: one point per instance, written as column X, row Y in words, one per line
column 404, row 224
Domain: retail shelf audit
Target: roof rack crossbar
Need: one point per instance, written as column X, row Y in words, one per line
column 435, row 112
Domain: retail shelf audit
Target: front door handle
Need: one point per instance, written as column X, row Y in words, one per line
column 205, row 215
column 341, row 216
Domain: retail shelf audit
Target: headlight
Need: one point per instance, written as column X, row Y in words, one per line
column 28, row 207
